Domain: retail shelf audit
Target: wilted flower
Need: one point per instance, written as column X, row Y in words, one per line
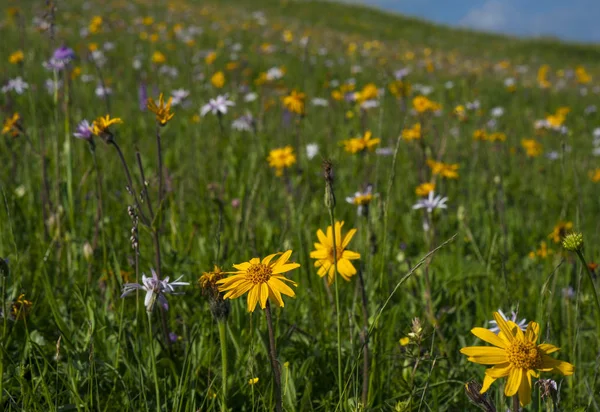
column 162, row 110
column 155, row 288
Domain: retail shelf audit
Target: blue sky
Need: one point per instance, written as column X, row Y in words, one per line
column 576, row 20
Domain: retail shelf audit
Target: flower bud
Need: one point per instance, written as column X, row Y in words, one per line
column 573, row 242
column 88, row 252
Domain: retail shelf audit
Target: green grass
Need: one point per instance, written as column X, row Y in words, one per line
column 81, row 347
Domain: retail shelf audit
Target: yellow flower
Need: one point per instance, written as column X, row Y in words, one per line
column 543, row 252
column 148, row 21
column 413, row 133
column 368, row 92
column 95, row 24
column 449, row 171
column 261, row 279
column 210, row 58
column 595, row 175
column 423, row 105
column 532, row 147
column 460, row 112
column 542, row 76
column 480, row 134
column 162, row 110
column 252, row 381
column 582, row 75
column 281, row 158
column 288, row 36
column 158, row 57
column 515, row 355
column 208, row 282
column 560, row 230
column 101, row 124
column 11, row 125
column 324, row 253
column 497, row 137
column 16, row 57
column 218, row 79
column 404, row 341
column 400, row 88
column 359, row 144
column 21, row 307
column 294, row 102
column 424, row 188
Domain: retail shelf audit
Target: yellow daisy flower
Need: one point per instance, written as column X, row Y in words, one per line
column 11, row 125
column 295, row 102
column 100, row 125
column 359, row 144
column 261, row 279
column 515, row 355
column 16, row 57
column 281, row 158
column 162, row 110
column 324, row 253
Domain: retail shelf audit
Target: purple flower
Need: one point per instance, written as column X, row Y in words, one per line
column 83, row 130
column 155, row 290
column 142, row 96
column 63, row 53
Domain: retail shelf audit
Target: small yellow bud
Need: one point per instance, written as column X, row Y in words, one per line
column 573, row 242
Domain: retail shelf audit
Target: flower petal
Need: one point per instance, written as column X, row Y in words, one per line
column 268, row 259
column 513, row 382
column 253, row 298
column 280, row 287
column 489, row 337
column 486, row 355
column 323, row 239
column 285, row 268
column 348, row 237
column 557, row 366
column 532, row 333
column 548, row 348
column 350, row 255
column 264, row 295
column 487, row 382
column 499, row 371
column 242, row 266
column 504, row 327
column 525, row 387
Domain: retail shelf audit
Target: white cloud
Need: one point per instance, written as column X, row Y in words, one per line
column 493, row 15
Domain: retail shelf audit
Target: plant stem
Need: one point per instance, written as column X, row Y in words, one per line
column 337, row 304
column 223, row 341
column 515, row 402
column 273, row 356
column 589, row 273
column 365, row 340
column 160, row 166
column 151, row 343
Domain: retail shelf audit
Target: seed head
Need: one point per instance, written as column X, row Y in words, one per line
column 573, row 242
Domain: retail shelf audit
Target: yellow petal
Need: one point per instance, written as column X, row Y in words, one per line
column 319, row 254
column 254, row 261
column 275, row 296
column 253, row 298
column 239, row 291
column 242, row 266
column 285, row 268
column 338, row 232
column 348, row 238
column 280, row 287
column 264, row 295
column 557, row 366
column 525, row 387
column 504, row 327
column 323, row 239
column 268, row 259
column 345, row 268
column 548, row 348
column 350, row 255
column 499, row 371
column 487, row 382
column 488, row 336
column 486, row 355
column 513, row 382
column 532, row 332
column 284, row 258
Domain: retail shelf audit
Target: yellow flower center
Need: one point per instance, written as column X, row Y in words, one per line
column 258, row 273
column 524, row 355
column 340, row 251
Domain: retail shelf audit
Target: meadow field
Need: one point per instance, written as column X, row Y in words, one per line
column 277, row 205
